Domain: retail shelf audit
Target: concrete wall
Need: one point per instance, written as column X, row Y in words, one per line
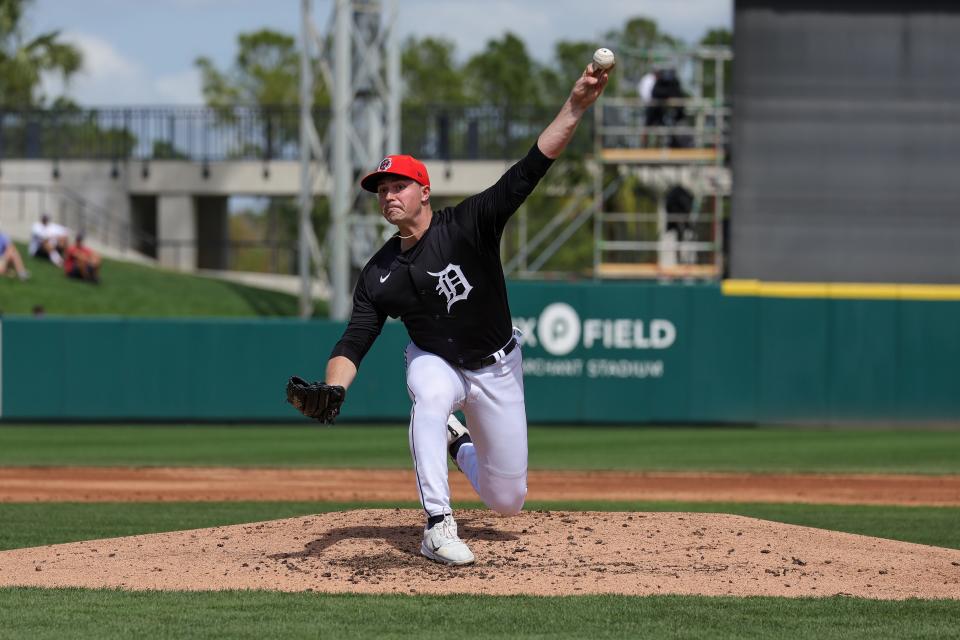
column 177, row 231
column 282, row 178
column 179, row 202
column 89, row 182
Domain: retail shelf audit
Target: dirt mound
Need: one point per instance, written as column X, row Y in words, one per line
column 542, row 553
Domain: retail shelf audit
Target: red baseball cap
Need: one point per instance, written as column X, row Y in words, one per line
column 404, row 166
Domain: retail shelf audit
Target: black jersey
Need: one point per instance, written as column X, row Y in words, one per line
column 448, row 289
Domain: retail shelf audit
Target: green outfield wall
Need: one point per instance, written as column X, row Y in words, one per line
column 611, row 352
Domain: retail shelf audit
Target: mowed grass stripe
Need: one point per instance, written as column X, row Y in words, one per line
column 35, row 524
column 746, row 449
column 75, row 613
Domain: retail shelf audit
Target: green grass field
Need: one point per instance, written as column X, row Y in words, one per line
column 753, row 450
column 44, row 613
column 134, row 290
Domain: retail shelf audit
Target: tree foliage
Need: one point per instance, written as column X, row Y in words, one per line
column 265, row 72
column 503, row 73
column 642, row 34
column 640, row 45
column 266, row 67
column 430, row 72
column 24, row 60
column 569, row 60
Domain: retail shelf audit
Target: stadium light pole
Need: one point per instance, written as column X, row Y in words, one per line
column 341, row 162
column 306, row 183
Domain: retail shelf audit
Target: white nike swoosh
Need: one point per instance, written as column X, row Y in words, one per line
column 384, row 278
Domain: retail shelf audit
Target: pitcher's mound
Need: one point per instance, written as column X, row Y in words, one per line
column 542, row 553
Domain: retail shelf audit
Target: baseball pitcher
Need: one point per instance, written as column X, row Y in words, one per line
column 441, row 274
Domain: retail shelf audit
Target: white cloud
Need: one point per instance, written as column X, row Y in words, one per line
column 107, row 76
column 101, row 59
column 486, row 22
column 180, row 88
column 110, row 77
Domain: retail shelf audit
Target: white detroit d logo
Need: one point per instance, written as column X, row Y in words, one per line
column 559, row 329
column 452, row 284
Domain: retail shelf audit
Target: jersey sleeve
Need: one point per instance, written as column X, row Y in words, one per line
column 365, row 325
column 490, row 209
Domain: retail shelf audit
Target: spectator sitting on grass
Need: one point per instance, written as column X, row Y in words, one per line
column 48, row 240
column 82, row 262
column 8, row 254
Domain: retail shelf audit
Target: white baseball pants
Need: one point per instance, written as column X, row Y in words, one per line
column 492, row 401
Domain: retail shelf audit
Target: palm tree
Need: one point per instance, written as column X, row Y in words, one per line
column 24, row 61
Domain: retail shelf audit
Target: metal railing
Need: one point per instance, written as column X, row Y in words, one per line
column 686, row 123
column 206, row 134
column 434, row 132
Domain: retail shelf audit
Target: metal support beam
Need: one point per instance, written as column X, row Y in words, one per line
column 393, row 84
column 340, row 159
column 364, row 83
column 306, row 184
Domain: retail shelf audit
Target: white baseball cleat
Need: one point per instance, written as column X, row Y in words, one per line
column 442, row 544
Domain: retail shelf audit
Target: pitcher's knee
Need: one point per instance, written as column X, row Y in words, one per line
column 509, row 502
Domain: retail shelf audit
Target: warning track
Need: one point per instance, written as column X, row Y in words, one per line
column 148, row 484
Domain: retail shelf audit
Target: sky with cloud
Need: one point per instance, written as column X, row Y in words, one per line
column 142, row 51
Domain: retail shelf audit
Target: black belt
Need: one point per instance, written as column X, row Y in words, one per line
column 492, row 358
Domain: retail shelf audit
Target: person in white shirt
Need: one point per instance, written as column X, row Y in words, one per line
column 48, row 240
column 652, row 113
column 645, row 88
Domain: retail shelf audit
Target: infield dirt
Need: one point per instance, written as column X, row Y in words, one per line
column 539, row 553
column 101, row 484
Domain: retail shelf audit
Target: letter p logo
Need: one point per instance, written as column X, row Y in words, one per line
column 559, row 329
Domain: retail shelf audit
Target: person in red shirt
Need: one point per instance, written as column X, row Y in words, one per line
column 82, row 262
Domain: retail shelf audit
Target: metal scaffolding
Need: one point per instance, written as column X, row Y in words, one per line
column 359, row 60
column 634, row 149
column 675, row 150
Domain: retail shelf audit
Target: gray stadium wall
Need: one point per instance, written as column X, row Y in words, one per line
column 610, row 353
column 846, row 130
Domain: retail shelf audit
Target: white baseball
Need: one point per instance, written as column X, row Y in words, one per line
column 603, row 58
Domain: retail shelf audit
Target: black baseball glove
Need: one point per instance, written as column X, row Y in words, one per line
column 315, row 399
